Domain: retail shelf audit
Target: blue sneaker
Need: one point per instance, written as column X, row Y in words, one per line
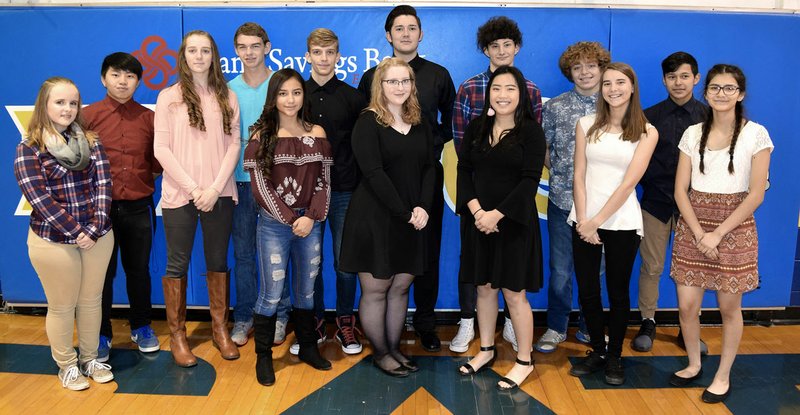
column 146, row 339
column 583, row 337
column 104, row 349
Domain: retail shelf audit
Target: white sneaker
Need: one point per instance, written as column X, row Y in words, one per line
column 99, row 372
column 280, row 333
column 466, row 332
column 508, row 334
column 72, row 379
column 549, row 341
column 241, row 332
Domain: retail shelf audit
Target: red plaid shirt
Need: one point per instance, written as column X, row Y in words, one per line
column 65, row 202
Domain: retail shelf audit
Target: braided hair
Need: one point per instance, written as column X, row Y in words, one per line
column 738, row 75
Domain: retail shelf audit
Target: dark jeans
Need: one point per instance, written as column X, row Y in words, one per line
column 620, row 253
column 426, row 287
column 345, row 281
column 133, row 225
column 180, row 225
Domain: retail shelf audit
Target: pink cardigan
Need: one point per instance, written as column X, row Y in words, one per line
column 192, row 158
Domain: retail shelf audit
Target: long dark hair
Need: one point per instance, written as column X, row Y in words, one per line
column 738, row 75
column 521, row 114
column 216, row 83
column 265, row 130
column 634, row 123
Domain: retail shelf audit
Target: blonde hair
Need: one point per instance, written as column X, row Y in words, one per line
column 322, row 37
column 40, row 122
column 412, row 113
column 216, row 83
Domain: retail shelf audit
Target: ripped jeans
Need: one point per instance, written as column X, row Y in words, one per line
column 277, row 245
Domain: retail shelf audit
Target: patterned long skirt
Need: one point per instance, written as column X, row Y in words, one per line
column 736, row 270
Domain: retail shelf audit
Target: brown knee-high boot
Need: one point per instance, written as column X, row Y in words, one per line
column 175, row 303
column 218, row 297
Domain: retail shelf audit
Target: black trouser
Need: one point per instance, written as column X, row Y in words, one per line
column 180, row 225
column 426, row 287
column 620, row 251
column 133, row 225
column 467, row 292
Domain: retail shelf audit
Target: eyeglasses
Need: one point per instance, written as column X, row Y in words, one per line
column 397, row 82
column 714, row 89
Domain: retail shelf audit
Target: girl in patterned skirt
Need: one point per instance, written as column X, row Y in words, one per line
column 726, row 161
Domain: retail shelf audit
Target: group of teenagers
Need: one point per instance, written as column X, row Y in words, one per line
column 268, row 159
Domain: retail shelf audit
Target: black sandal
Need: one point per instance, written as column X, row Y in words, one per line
column 471, row 370
column 513, row 385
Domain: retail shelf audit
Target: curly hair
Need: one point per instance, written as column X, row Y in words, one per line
column 588, row 51
column 498, row 27
column 412, row 113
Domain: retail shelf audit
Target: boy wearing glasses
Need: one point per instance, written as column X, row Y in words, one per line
column 582, row 64
column 435, row 92
column 500, row 40
column 659, row 212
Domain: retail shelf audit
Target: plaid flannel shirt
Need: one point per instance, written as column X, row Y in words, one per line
column 65, row 202
column 470, row 102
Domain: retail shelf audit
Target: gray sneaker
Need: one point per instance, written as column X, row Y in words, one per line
column 549, row 341
column 72, row 379
column 99, row 372
column 241, row 332
column 280, row 333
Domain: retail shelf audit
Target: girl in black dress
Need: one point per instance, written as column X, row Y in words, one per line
column 382, row 241
column 499, row 166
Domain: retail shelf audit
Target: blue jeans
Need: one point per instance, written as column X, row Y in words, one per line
column 245, row 221
column 277, row 245
column 559, row 292
column 345, row 281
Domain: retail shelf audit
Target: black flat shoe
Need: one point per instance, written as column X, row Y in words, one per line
column 471, row 370
column 410, row 366
column 430, row 341
column 710, row 397
column 511, row 384
column 679, row 381
column 398, row 372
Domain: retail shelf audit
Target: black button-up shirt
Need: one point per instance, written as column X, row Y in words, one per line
column 658, row 182
column 435, row 92
column 336, row 107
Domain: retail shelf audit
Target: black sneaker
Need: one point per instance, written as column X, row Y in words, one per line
column 643, row 341
column 346, row 335
column 591, row 363
column 615, row 371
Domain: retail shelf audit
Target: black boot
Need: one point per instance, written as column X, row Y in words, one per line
column 305, row 331
column 263, row 336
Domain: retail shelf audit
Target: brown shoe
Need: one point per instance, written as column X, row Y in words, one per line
column 175, row 303
column 218, row 296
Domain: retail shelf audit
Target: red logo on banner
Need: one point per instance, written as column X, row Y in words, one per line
column 157, row 69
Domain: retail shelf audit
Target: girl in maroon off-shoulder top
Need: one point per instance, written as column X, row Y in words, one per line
column 289, row 161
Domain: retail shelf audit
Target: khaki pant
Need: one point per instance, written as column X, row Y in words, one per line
column 653, row 251
column 72, row 279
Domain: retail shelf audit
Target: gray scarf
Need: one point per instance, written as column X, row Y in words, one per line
column 70, row 150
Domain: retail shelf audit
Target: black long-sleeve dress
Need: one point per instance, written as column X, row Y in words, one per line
column 398, row 175
column 504, row 177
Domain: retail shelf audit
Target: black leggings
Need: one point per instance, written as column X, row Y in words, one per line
column 620, row 251
column 180, row 225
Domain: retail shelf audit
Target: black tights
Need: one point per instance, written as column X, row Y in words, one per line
column 382, row 311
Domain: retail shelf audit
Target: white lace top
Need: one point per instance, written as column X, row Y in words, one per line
column 752, row 138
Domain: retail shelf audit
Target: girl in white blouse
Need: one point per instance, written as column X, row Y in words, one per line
column 726, row 162
column 612, row 151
